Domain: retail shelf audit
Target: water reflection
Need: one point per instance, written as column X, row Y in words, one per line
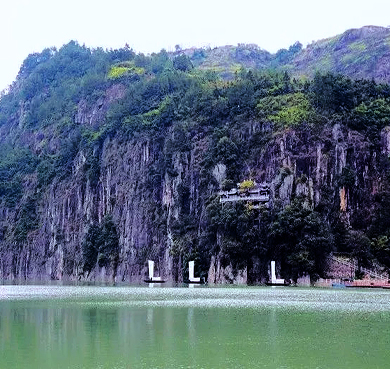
column 199, row 328
column 149, row 316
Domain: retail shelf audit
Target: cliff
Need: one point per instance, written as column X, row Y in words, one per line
column 112, row 158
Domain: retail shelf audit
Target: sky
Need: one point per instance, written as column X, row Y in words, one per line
column 148, row 26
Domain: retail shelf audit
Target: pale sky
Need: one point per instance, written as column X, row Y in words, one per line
column 28, row 26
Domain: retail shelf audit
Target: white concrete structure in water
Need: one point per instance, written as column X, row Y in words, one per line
column 275, row 280
column 191, row 278
column 151, row 271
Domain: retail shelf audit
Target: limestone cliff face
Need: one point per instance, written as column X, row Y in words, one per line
column 336, row 166
column 312, row 163
column 130, row 191
column 294, row 163
column 148, row 184
column 110, row 158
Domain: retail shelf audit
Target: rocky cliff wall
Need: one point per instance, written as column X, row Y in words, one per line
column 334, row 164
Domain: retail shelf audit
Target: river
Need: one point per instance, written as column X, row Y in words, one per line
column 101, row 327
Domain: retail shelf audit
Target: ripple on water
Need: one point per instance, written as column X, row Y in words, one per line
column 207, row 297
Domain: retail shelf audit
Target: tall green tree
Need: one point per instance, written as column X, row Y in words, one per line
column 301, row 240
column 109, row 246
column 101, row 246
column 90, row 247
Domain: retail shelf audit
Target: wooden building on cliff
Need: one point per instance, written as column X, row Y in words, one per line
column 256, row 196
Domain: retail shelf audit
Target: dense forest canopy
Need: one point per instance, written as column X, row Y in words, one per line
column 165, row 98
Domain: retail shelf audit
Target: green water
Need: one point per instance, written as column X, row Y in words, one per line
column 122, row 327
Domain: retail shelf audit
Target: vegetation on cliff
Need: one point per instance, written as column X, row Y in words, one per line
column 320, row 144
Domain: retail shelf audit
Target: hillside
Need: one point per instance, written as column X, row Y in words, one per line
column 357, row 53
column 110, row 158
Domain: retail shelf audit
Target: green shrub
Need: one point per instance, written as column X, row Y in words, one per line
column 247, row 185
column 116, row 72
column 285, row 110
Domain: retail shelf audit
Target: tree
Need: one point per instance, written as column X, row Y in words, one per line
column 287, row 110
column 381, row 249
column 371, row 115
column 109, row 245
column 90, row 247
column 226, row 152
column 360, row 247
column 237, row 234
column 182, row 62
column 27, row 219
column 301, row 240
column 101, row 245
column 284, row 56
column 332, row 93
